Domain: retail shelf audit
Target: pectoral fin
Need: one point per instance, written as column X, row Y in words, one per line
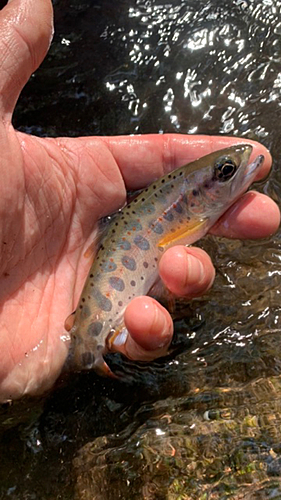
column 185, row 233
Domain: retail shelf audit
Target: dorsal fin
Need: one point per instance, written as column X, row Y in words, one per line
column 102, row 230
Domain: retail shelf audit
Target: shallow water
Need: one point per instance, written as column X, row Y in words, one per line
column 204, row 423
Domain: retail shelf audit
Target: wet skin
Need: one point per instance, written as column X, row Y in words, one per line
column 52, row 192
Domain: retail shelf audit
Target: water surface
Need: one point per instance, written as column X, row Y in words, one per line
column 204, row 423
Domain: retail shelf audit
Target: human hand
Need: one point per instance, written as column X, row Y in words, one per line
column 52, row 192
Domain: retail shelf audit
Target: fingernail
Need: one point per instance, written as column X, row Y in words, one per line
column 159, row 326
column 195, row 270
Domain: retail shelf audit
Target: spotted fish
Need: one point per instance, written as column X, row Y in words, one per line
column 178, row 208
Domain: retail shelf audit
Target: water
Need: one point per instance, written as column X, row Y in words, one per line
column 204, row 423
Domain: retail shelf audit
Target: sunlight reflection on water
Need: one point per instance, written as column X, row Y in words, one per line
column 212, row 429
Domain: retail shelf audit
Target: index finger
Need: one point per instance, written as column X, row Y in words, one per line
column 143, row 159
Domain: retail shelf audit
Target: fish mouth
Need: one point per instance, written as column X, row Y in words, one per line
column 253, row 167
column 245, row 176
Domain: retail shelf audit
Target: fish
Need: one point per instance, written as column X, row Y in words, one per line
column 178, row 208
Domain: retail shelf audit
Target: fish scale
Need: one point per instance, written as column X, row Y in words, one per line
column 179, row 208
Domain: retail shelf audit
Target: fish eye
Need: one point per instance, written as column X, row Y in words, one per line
column 225, row 168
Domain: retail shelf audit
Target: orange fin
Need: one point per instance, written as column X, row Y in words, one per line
column 101, row 232
column 117, row 339
column 69, row 322
column 181, row 234
column 91, row 250
column 102, row 368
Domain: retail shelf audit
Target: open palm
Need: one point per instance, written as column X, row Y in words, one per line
column 53, row 191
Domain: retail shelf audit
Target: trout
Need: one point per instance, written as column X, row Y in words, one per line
column 178, row 208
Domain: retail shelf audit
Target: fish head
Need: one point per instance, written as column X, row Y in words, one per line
column 219, row 179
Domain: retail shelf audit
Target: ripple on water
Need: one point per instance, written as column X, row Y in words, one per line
column 206, row 422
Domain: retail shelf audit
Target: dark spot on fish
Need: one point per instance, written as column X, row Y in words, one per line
column 163, row 181
column 145, row 264
column 83, row 300
column 129, row 263
column 142, row 278
column 103, row 302
column 134, row 225
column 124, row 244
column 86, row 312
column 157, row 228
column 178, row 208
column 91, row 275
column 108, row 266
column 94, row 329
column 120, row 303
column 81, row 307
column 195, row 192
column 142, row 242
column 117, row 283
column 169, row 216
column 133, row 283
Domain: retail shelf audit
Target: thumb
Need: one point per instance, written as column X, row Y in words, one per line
column 26, row 28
